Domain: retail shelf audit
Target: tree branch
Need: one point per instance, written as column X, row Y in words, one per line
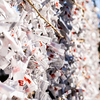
column 79, row 6
column 44, row 18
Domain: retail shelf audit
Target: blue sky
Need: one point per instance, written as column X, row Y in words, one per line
column 98, row 3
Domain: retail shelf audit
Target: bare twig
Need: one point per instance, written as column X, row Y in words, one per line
column 80, row 40
column 84, row 11
column 78, row 84
column 44, row 18
column 79, row 6
column 89, row 24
